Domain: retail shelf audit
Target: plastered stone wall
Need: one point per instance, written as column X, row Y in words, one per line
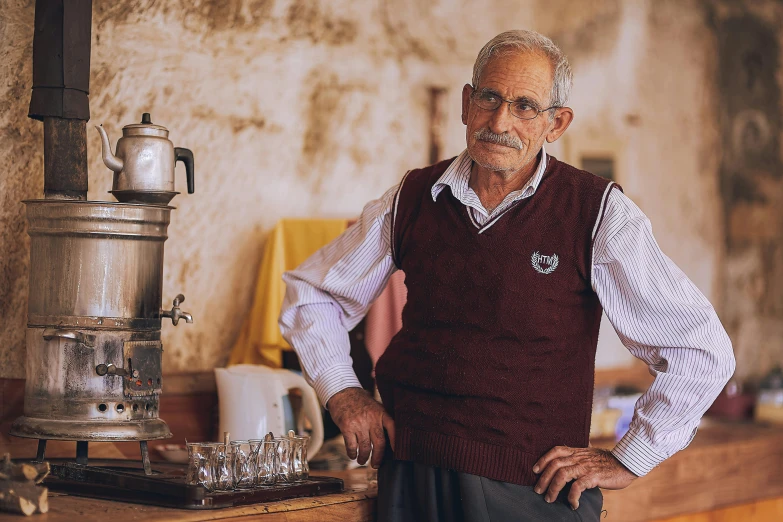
column 749, row 78
column 643, row 90
column 307, row 108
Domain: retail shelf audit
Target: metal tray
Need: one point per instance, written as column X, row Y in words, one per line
column 125, row 481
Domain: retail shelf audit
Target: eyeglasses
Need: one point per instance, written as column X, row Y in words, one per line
column 522, row 109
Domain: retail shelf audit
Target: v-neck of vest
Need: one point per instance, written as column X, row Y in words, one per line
column 480, row 229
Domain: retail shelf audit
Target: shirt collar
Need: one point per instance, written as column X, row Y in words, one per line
column 457, row 177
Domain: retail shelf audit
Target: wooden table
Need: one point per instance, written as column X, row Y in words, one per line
column 726, row 465
column 355, row 504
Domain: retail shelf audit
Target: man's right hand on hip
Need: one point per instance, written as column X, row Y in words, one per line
column 362, row 421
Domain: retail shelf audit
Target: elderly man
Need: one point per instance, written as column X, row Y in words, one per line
column 509, row 256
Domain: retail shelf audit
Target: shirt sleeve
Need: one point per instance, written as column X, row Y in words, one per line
column 330, row 293
column 664, row 320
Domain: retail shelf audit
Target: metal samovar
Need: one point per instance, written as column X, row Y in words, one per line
column 94, row 354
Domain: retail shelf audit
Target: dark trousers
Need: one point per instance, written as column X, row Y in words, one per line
column 410, row 492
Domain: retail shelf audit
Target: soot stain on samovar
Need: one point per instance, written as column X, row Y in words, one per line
column 79, row 364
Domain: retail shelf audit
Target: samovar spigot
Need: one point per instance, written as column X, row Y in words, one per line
column 175, row 313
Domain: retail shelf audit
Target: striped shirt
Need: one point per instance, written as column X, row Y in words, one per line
column 658, row 313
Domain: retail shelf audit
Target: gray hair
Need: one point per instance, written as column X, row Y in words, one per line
column 532, row 42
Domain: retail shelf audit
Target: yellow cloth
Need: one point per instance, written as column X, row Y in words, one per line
column 291, row 242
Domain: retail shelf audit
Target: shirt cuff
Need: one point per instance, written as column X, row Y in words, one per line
column 636, row 454
column 334, row 380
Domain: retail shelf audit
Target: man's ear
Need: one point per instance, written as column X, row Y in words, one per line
column 467, row 90
column 563, row 118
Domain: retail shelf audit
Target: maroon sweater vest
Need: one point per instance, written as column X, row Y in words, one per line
column 494, row 364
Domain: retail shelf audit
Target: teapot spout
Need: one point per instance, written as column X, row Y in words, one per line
column 109, row 159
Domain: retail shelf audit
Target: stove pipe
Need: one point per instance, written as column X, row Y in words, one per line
column 61, row 82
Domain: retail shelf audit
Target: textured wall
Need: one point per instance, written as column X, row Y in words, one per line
column 296, row 108
column 749, row 78
column 643, row 91
column 21, row 177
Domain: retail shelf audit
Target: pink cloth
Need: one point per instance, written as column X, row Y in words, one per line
column 384, row 319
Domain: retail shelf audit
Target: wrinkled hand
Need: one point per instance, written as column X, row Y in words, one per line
column 587, row 467
column 362, row 420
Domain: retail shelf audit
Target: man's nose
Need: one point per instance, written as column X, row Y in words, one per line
column 502, row 120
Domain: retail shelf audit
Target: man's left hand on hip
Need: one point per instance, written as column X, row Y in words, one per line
column 587, row 467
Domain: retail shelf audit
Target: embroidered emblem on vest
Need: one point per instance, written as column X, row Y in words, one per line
column 537, row 260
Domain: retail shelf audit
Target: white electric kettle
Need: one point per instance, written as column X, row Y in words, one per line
column 252, row 401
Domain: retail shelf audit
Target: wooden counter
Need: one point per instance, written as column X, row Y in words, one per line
column 725, row 465
column 737, row 465
column 355, row 504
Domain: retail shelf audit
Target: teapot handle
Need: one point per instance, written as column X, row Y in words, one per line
column 310, row 406
column 186, row 157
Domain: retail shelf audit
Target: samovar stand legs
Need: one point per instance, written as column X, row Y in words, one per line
column 145, row 457
column 82, row 453
column 41, row 450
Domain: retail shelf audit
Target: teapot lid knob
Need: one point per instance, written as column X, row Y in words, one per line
column 145, row 118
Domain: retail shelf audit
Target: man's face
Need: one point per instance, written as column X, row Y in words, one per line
column 514, row 76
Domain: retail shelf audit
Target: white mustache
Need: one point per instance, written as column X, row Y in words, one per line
column 504, row 139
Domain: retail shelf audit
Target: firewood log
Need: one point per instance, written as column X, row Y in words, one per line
column 18, row 491
column 24, row 497
column 33, row 471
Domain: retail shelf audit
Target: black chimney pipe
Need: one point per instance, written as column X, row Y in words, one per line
column 61, row 84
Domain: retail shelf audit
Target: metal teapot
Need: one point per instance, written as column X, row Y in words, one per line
column 144, row 163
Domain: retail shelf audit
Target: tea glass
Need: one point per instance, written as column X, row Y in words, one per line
column 223, row 477
column 292, row 463
column 201, row 456
column 285, row 454
column 299, row 461
column 242, row 465
column 265, row 460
